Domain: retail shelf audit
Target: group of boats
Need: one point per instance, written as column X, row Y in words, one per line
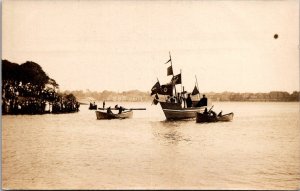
column 175, row 104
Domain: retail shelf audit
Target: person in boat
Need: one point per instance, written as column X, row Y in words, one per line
column 103, row 104
column 205, row 111
column 120, row 109
column 189, row 102
column 116, row 106
column 179, row 98
column 94, row 104
column 220, row 114
column 109, row 110
column 202, row 102
column 168, row 99
column 213, row 113
column 172, row 99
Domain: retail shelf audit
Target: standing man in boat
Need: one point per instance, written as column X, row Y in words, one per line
column 120, row 109
column 179, row 98
column 103, row 104
column 109, row 110
column 189, row 101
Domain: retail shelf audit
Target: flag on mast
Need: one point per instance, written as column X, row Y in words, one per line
column 168, row 61
column 170, row 71
column 176, row 79
column 195, row 91
column 155, row 100
column 156, row 88
column 166, row 89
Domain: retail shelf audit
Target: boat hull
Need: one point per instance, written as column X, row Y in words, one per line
column 174, row 111
column 201, row 118
column 124, row 115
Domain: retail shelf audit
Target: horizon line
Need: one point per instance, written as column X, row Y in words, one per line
column 121, row 91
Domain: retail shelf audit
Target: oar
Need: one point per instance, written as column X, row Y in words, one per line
column 100, row 108
column 210, row 108
column 135, row 109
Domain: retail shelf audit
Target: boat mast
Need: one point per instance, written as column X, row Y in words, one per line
column 181, row 79
column 172, row 72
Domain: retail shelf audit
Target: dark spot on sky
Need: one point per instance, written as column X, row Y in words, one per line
column 275, row 36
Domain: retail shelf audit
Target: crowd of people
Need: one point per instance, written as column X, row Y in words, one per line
column 19, row 98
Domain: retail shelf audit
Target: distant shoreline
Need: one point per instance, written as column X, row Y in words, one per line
column 139, row 96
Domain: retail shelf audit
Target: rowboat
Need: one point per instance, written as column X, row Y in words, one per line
column 104, row 115
column 204, row 118
column 92, row 107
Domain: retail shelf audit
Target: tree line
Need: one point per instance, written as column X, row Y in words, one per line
column 276, row 96
column 27, row 89
column 140, row 96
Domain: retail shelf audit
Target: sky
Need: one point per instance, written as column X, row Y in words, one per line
column 123, row 45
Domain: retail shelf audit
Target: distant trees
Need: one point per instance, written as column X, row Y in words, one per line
column 271, row 96
column 136, row 95
column 132, row 95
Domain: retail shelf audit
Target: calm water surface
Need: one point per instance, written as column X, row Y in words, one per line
column 259, row 149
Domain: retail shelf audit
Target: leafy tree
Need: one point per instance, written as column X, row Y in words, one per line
column 10, row 71
column 33, row 73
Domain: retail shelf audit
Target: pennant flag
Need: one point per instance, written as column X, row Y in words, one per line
column 166, row 89
column 155, row 89
column 195, row 91
column 169, row 71
column 168, row 61
column 176, row 79
column 155, row 101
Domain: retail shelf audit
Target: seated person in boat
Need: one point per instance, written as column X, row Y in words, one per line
column 213, row 113
column 220, row 114
column 116, row 106
column 168, row 99
column 109, row 110
column 189, row 102
column 205, row 111
column 202, row 102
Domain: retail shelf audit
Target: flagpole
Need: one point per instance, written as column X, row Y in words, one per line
column 181, row 79
column 172, row 72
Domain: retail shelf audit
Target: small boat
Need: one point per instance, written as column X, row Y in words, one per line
column 226, row 117
column 93, row 107
column 105, row 115
column 204, row 118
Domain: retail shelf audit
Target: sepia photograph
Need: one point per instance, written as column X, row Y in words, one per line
column 166, row 94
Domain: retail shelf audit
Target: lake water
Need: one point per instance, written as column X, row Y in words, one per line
column 259, row 149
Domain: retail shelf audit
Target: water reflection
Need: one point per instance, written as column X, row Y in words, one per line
column 170, row 132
